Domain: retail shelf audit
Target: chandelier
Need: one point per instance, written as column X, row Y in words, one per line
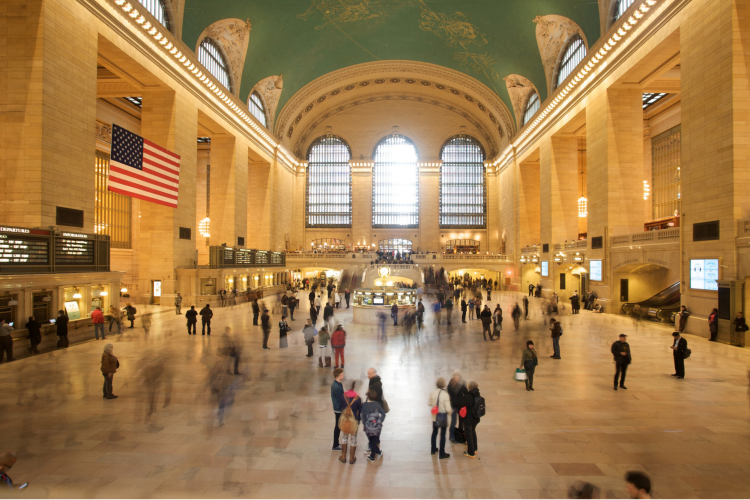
column 583, row 203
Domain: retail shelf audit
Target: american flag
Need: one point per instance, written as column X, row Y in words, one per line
column 142, row 169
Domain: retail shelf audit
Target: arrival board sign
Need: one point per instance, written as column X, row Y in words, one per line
column 19, row 246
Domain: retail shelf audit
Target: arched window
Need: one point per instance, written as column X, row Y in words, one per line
column 211, row 57
column 620, row 7
column 532, row 106
column 329, row 183
column 158, row 9
column 462, row 184
column 574, row 54
column 257, row 109
column 395, row 183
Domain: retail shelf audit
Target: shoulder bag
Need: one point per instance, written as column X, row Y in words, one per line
column 441, row 419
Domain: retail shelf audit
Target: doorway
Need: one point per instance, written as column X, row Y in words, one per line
column 156, row 292
column 623, row 290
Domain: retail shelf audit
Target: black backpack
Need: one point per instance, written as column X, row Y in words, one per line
column 479, row 409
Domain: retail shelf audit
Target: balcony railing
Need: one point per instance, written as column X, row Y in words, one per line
column 671, row 235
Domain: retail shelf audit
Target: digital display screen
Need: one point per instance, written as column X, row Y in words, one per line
column 243, row 257
column 378, row 300
column 704, row 274
column 595, row 270
column 15, row 249
column 69, row 251
column 545, row 268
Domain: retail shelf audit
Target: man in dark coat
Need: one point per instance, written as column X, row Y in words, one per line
column 470, row 420
column 256, row 312
column 621, row 352
column 328, row 316
column 62, row 328
column 463, row 310
column 486, row 317
column 35, row 334
column 206, row 315
column 394, row 314
column 192, row 320
column 375, row 385
column 265, row 323
column 347, row 297
column 313, row 314
column 678, row 352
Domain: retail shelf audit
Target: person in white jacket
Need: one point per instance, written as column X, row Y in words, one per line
column 317, row 304
column 337, row 299
column 440, row 399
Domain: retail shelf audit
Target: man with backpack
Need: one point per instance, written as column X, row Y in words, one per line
column 372, row 417
column 449, row 309
column 338, row 342
column 474, row 410
column 556, row 329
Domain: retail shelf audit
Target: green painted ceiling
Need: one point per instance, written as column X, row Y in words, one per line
column 306, row 39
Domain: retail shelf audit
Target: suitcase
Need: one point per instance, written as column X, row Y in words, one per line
column 328, row 361
column 459, row 435
column 62, row 343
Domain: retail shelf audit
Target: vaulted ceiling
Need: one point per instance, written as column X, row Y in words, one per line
column 306, row 39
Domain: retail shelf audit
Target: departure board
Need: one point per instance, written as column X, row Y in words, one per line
column 73, row 251
column 228, row 256
column 17, row 249
column 261, row 258
column 243, row 257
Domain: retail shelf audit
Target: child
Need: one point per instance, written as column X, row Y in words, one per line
column 372, row 416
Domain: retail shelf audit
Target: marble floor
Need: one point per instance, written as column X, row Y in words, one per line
column 691, row 436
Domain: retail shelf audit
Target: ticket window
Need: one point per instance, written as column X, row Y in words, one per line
column 9, row 310
column 73, row 302
column 41, row 307
column 100, row 298
column 208, row 286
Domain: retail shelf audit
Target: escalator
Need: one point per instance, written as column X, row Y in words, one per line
column 345, row 281
column 660, row 307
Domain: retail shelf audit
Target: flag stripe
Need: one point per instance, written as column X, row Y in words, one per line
column 160, row 173
column 160, row 166
column 155, row 153
column 163, row 150
column 120, row 172
column 135, row 186
column 132, row 194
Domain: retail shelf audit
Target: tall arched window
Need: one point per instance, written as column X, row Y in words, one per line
column 257, row 109
column 532, row 106
column 462, row 184
column 395, row 183
column 329, row 183
column 158, row 9
column 574, row 54
column 211, row 57
column 620, row 7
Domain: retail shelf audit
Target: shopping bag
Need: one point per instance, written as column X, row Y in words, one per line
column 520, row 374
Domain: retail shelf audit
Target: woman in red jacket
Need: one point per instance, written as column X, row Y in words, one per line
column 338, row 342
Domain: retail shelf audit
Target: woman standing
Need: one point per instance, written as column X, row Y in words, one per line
column 283, row 329
column 682, row 317
column 529, row 360
column 35, row 334
column 456, row 391
column 713, row 324
column 471, row 420
column 349, row 424
column 740, row 326
column 440, row 403
column 323, row 338
column 130, row 310
column 109, row 367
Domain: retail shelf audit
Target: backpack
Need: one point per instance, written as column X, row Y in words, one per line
column 373, row 424
column 347, row 423
column 479, row 409
column 561, row 330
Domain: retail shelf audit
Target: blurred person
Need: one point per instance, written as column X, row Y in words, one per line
column 394, row 314
column 35, row 334
column 115, row 318
column 381, row 327
column 310, row 333
column 265, row 321
column 682, row 318
column 349, row 424
column 6, row 341
column 222, row 386
column 497, row 320
column 420, row 318
column 456, row 391
column 439, row 401
column 284, row 304
column 317, row 303
column 146, row 322
column 338, row 342
column 61, row 323
column 582, row 489
column 740, row 326
column 256, row 312
column 472, row 304
column 292, row 306
column 192, row 320
column 151, row 375
column 347, row 297
column 529, row 362
column 372, row 416
column 206, row 315
column 97, row 319
column 525, row 307
column 231, row 348
column 638, row 484
column 474, row 404
column 7, row 461
column 713, row 324
column 336, row 299
column 328, row 315
column 621, row 352
column 486, row 317
column 323, row 338
column 284, row 328
column 110, row 364
column 130, row 311
column 449, row 309
column 178, row 304
column 337, row 399
column 313, row 314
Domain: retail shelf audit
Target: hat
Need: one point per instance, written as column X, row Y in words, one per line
column 623, row 335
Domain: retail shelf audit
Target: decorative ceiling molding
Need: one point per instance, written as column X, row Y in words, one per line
column 270, row 90
column 519, row 88
column 302, row 139
column 396, row 76
column 552, row 33
column 232, row 35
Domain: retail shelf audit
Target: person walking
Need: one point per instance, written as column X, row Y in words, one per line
column 328, row 315
column 310, row 333
column 338, row 342
column 638, row 484
column 292, row 306
column 456, row 391
column 109, row 367
column 420, row 317
column 337, row 399
column 336, row 299
column 35, row 334
column 372, row 417
column 497, row 320
column 347, row 297
column 394, row 314
column 525, row 307
column 283, row 329
column 529, row 361
column 575, row 303
column 6, row 341
column 349, row 421
column 472, row 401
column 115, row 318
column 284, row 305
column 713, row 324
column 265, row 322
column 740, row 326
column 621, row 352
column 682, row 318
column 62, row 328
column 130, row 311
column 256, row 312
column 464, row 306
column 178, row 304
column 323, row 338
column 206, row 315
column 313, row 315
column 516, row 315
column 97, row 319
column 555, row 332
column 440, row 403
column 449, row 309
column 192, row 320
column 317, row 304
column 471, row 308
column 678, row 353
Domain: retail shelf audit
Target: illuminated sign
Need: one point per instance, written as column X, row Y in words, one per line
column 704, row 274
column 545, row 268
column 595, row 270
column 75, row 235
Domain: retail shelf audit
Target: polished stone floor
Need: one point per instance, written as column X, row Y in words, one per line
column 691, row 436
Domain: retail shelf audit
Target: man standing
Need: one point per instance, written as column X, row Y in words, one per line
column 621, row 352
column 97, row 318
column 556, row 330
column 206, row 315
column 265, row 323
column 376, row 384
column 6, row 341
column 575, row 303
column 192, row 319
column 463, row 310
column 337, row 398
column 525, row 307
column 178, row 304
column 313, row 314
column 317, row 303
column 531, row 290
column 678, row 352
column 292, row 306
column 394, row 314
column 256, row 312
column 310, row 333
column 449, row 309
column 338, row 342
column 486, row 317
column 347, row 296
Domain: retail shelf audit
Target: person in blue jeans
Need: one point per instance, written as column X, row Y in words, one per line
column 337, row 398
column 556, row 330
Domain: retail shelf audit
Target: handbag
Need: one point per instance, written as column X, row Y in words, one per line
column 520, row 374
column 386, row 408
column 441, row 419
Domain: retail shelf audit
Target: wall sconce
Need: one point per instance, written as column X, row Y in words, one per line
column 46, row 298
column 77, row 295
column 123, row 290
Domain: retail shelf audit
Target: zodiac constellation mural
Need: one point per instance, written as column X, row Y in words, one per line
column 454, row 28
column 479, row 63
column 341, row 11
